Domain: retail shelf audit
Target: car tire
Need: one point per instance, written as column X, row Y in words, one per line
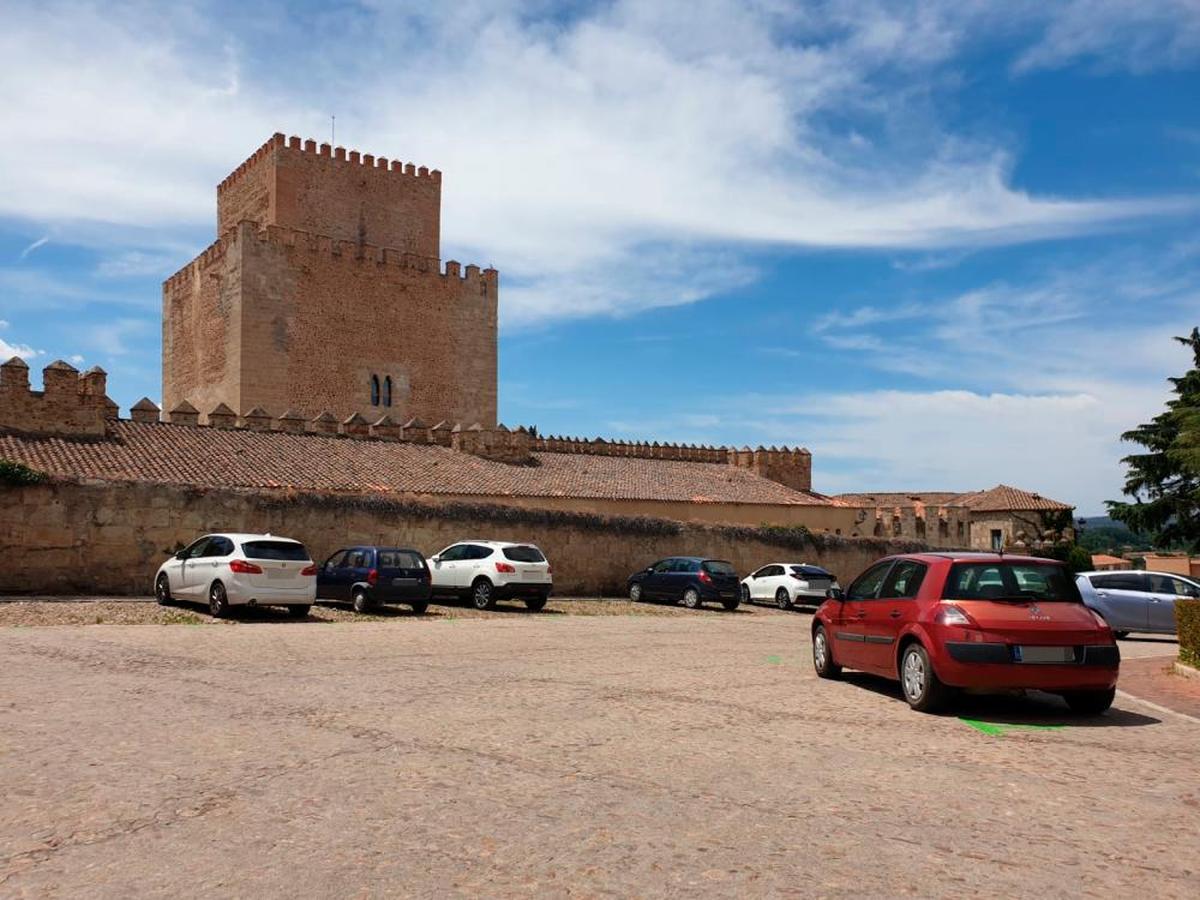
column 922, row 688
column 782, row 599
column 1090, row 703
column 745, row 593
column 162, row 589
column 1120, row 635
column 731, row 605
column 420, row 608
column 535, row 604
column 362, row 601
column 691, row 598
column 218, row 601
column 823, row 655
column 483, row 594
column 635, row 593
column 299, row 611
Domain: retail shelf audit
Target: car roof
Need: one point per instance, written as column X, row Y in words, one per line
column 1140, row 572
column 242, row 537
column 971, row 556
column 494, row 543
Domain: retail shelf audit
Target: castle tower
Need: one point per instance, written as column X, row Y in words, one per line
column 325, row 292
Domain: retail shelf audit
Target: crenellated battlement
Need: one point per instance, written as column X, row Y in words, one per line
column 69, row 402
column 335, row 248
column 280, row 143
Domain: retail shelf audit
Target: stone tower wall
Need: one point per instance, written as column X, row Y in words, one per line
column 344, row 195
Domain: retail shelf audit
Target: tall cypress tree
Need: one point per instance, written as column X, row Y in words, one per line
column 1164, row 481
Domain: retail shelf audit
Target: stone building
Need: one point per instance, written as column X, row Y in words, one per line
column 325, row 292
column 320, row 346
column 1004, row 517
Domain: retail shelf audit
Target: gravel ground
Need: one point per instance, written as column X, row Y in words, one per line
column 558, row 755
column 144, row 611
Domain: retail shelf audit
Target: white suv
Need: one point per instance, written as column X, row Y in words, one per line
column 487, row 571
column 787, row 584
column 240, row 569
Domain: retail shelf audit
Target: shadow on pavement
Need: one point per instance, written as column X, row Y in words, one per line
column 1033, row 709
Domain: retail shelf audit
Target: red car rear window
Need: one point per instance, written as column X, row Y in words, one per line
column 1010, row 581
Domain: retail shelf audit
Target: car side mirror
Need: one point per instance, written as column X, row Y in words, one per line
column 182, row 554
column 835, row 594
column 435, row 559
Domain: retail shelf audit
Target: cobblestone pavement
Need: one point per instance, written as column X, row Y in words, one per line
column 558, row 755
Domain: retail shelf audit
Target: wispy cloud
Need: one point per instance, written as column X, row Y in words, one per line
column 40, row 242
column 596, row 136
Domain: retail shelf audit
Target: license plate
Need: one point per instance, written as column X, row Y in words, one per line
column 276, row 574
column 1044, row 654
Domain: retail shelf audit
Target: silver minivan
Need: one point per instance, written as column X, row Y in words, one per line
column 1133, row 600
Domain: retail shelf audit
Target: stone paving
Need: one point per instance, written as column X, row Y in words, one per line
column 558, row 756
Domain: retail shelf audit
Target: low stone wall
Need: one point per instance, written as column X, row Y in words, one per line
column 109, row 537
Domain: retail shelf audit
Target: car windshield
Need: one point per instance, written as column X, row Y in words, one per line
column 288, row 550
column 810, row 572
column 1010, row 581
column 524, row 554
column 718, row 567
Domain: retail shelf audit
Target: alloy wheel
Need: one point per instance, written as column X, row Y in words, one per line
column 820, row 650
column 914, row 675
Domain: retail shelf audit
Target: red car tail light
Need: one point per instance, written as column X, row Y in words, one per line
column 373, row 577
column 309, row 570
column 241, row 567
column 705, row 577
column 506, row 568
column 949, row 614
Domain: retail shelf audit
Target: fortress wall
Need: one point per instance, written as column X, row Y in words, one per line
column 202, row 337
column 322, row 316
column 109, row 538
column 342, row 194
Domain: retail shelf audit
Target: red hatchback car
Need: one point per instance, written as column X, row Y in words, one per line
column 941, row 621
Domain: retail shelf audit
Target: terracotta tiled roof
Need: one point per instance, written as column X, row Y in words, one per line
column 1103, row 559
column 899, row 498
column 1002, row 497
column 180, row 454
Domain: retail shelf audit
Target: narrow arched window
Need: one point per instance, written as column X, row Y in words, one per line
column 374, row 390
column 387, row 391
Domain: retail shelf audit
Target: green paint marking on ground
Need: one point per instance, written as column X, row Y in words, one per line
column 998, row 729
column 775, row 660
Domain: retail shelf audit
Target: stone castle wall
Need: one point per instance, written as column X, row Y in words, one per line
column 292, row 321
column 344, row 195
column 109, row 538
column 69, row 403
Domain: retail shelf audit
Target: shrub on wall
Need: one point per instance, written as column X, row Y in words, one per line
column 18, row 474
column 1187, row 619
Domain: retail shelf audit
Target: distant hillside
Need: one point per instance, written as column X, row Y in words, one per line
column 1100, row 534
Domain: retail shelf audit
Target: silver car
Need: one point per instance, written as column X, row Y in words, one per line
column 1133, row 600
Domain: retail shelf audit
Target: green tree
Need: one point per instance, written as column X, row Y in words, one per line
column 1164, row 481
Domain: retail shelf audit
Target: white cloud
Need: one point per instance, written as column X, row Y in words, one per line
column 116, row 337
column 571, row 140
column 8, row 351
column 40, row 242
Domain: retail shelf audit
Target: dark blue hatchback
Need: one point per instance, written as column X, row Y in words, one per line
column 370, row 575
column 690, row 579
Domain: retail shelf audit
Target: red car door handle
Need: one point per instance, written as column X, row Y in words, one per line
column 895, row 614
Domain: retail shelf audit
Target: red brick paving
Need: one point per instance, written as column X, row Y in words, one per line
column 1155, row 679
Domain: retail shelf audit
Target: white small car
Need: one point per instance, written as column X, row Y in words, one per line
column 487, row 571
column 788, row 584
column 240, row 570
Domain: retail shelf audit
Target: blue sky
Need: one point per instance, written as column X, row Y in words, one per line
column 941, row 244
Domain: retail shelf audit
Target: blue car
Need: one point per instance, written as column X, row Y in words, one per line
column 369, row 576
column 688, row 579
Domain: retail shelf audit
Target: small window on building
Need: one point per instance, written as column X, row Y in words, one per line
column 374, row 390
column 387, row 391
column 997, row 540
